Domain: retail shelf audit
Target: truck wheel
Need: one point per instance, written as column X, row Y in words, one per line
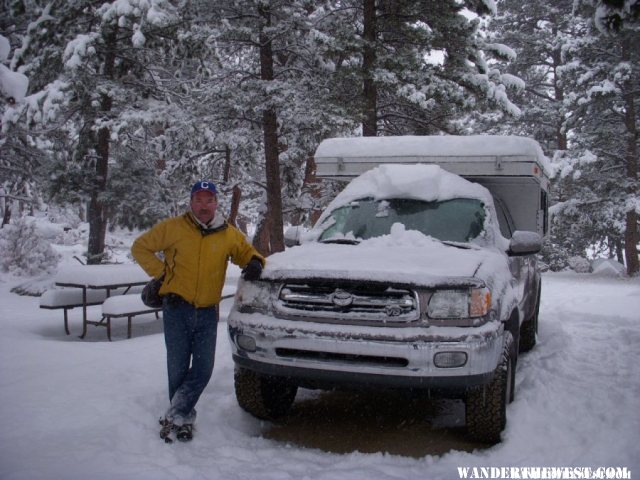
column 529, row 328
column 486, row 407
column 264, row 397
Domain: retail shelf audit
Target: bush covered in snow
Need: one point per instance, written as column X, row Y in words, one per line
column 24, row 251
column 579, row 264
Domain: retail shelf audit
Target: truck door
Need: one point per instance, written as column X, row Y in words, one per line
column 519, row 266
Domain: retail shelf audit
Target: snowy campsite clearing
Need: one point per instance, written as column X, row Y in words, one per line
column 76, row 409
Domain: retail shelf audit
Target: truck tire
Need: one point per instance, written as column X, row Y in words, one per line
column 264, row 397
column 529, row 328
column 486, row 407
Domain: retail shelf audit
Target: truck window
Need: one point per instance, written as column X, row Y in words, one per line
column 456, row 220
column 505, row 222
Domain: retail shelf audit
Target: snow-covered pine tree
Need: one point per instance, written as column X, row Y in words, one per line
column 98, row 92
column 418, row 64
column 603, row 73
column 267, row 93
column 19, row 153
column 538, row 32
column 181, row 102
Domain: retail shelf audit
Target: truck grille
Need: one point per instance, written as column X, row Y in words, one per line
column 343, row 358
column 370, row 303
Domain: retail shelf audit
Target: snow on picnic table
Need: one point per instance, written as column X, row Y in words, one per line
column 99, row 275
column 88, row 409
column 123, row 304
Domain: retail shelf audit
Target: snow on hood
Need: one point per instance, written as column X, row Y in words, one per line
column 406, row 257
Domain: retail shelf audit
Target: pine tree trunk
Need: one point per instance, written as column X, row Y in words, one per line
column 631, row 237
column 261, row 237
column 235, row 204
column 6, row 217
column 274, row 189
column 312, row 186
column 619, row 251
column 227, row 164
column 270, row 131
column 5, row 211
column 97, row 214
column 561, row 135
column 631, row 242
column 370, row 120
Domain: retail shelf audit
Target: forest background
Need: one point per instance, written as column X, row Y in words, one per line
column 110, row 110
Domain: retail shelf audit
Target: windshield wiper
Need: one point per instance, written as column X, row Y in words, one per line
column 341, row 241
column 465, row 246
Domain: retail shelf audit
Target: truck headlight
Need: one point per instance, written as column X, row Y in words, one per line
column 459, row 303
column 253, row 297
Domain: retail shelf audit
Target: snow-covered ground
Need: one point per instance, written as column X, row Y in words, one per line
column 88, row 409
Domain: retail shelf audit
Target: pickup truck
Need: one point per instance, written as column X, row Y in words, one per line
column 421, row 274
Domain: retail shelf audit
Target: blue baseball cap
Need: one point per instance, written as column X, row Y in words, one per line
column 204, row 186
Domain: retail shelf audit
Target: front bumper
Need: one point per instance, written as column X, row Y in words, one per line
column 320, row 355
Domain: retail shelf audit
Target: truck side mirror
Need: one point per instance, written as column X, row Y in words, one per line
column 524, row 243
column 292, row 236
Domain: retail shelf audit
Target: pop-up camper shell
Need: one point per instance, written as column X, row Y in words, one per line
column 514, row 169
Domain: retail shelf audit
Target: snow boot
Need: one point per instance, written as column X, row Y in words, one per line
column 167, row 430
column 184, row 432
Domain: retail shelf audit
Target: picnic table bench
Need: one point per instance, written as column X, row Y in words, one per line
column 86, row 285
column 70, row 298
column 131, row 305
column 115, row 287
column 124, row 306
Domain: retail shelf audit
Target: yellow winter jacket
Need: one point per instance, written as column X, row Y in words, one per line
column 195, row 260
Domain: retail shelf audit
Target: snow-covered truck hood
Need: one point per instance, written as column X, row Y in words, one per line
column 406, row 257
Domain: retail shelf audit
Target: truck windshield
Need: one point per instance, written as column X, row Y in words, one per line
column 456, row 220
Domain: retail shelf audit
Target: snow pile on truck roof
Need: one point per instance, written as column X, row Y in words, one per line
column 418, row 182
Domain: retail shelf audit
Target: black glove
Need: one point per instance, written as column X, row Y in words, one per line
column 253, row 270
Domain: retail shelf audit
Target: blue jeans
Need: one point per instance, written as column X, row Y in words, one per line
column 190, row 337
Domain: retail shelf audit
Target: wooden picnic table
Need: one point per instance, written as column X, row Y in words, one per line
column 100, row 277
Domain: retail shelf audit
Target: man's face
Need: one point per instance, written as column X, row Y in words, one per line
column 203, row 205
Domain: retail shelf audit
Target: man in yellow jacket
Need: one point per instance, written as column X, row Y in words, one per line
column 195, row 249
